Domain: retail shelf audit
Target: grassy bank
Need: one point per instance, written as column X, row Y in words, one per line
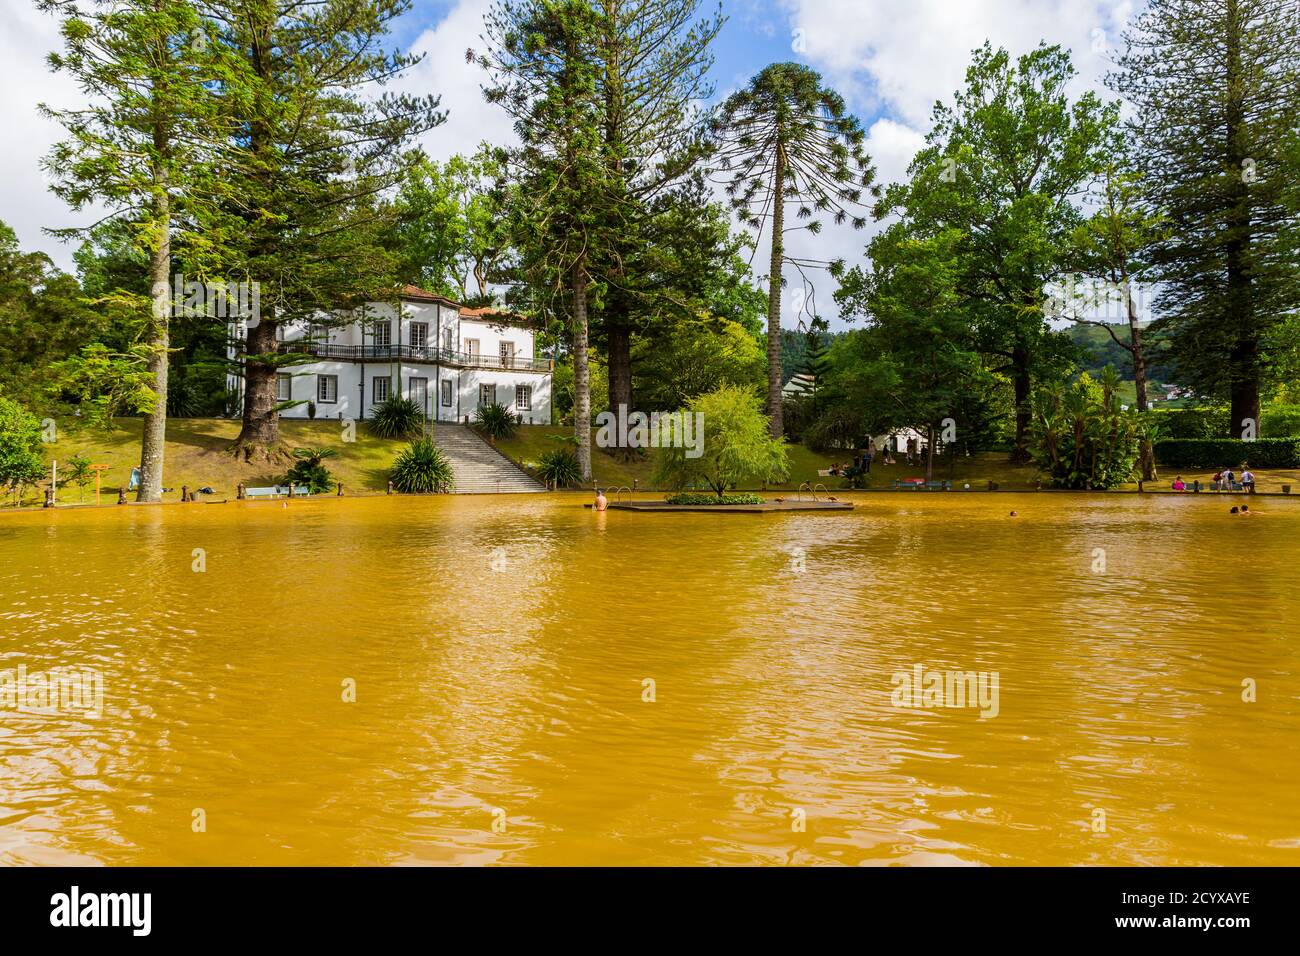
column 197, row 455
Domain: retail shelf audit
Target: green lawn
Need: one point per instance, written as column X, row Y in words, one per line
column 197, row 455
column 531, row 441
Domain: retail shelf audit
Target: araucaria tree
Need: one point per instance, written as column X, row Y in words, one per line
column 787, row 138
column 543, row 62
column 1215, row 86
column 320, row 142
column 141, row 147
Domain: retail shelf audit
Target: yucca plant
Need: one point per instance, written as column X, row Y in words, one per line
column 422, row 469
column 559, row 468
column 396, row 418
column 494, row 422
column 309, row 472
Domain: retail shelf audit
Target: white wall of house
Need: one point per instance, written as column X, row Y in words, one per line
column 349, row 389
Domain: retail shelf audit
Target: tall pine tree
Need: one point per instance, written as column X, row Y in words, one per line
column 1215, row 86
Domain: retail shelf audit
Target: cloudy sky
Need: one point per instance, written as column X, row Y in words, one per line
column 890, row 58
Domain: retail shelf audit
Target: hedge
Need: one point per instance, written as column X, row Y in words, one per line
column 1228, row 453
column 689, row 498
column 1204, row 421
column 1281, row 421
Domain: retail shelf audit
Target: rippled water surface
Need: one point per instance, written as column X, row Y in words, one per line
column 500, row 648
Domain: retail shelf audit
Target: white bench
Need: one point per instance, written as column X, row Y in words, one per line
column 276, row 491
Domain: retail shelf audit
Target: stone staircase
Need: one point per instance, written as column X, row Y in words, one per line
column 479, row 468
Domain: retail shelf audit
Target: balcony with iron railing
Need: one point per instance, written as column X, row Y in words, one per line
column 416, row 354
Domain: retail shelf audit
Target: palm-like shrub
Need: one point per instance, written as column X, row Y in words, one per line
column 1082, row 437
column 309, row 471
column 422, row 469
column 396, row 418
column 494, row 422
column 559, row 468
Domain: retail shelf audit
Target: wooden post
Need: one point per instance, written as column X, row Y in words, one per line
column 121, row 496
column 239, row 491
column 49, row 496
column 291, row 489
column 390, row 487
column 185, row 492
column 340, row 489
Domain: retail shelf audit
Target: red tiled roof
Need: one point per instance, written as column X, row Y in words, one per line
column 418, row 294
column 490, row 313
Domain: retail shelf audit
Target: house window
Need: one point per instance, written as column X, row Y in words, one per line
column 380, row 392
column 419, row 334
column 383, row 333
column 507, row 350
column 449, row 339
column 327, row 389
column 471, row 346
column 487, row 395
column 283, row 388
column 418, row 391
column 446, row 393
column 523, row 398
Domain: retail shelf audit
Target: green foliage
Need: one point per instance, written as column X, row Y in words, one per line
column 1214, row 99
column 421, row 469
column 693, row 356
column 1281, row 421
column 737, row 445
column 21, row 462
column 494, row 422
column 309, row 470
column 1202, row 421
column 694, row 498
column 559, row 468
column 1228, row 453
column 396, row 417
column 836, row 428
column 1080, row 436
column 77, row 470
column 105, row 384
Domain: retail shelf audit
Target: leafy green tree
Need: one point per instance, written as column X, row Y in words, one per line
column 922, row 368
column 737, row 445
column 1004, row 166
column 1115, row 247
column 79, row 472
column 320, row 140
column 450, row 235
column 21, row 462
column 787, row 138
column 1215, row 90
column 140, row 148
column 693, row 356
column 564, row 204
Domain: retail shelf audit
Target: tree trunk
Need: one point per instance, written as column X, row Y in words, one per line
column 154, row 437
column 1021, row 380
column 620, row 365
column 1243, row 360
column 1146, row 452
column 774, row 295
column 581, row 372
column 929, row 453
column 259, row 438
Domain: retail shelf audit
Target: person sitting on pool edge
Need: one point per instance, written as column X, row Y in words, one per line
column 1179, row 484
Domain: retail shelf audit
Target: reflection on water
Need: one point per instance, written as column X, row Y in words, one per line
column 517, row 694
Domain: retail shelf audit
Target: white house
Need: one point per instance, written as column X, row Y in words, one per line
column 448, row 359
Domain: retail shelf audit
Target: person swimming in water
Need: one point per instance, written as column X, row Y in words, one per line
column 601, row 501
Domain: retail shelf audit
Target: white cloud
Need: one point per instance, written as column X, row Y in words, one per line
column 26, row 204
